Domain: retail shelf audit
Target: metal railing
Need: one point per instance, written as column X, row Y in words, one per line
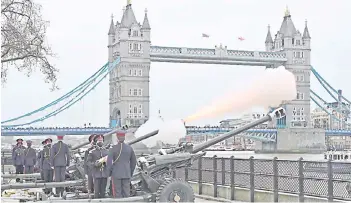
column 330, row 180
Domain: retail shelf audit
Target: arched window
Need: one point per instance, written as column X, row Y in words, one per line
column 130, row 72
column 130, row 46
column 140, row 109
column 135, row 72
column 140, row 72
column 130, row 108
column 135, row 33
column 140, row 92
column 130, row 92
column 135, row 110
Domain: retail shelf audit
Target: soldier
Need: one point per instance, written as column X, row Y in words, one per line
column 60, row 159
column 46, row 166
column 18, row 157
column 121, row 162
column 87, row 170
column 39, row 162
column 30, row 158
column 98, row 167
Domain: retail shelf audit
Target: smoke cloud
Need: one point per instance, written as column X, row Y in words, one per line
column 169, row 131
column 270, row 89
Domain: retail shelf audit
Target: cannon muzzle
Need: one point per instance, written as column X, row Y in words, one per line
column 277, row 113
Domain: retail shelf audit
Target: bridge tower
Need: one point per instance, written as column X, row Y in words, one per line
column 295, row 132
column 129, row 81
column 298, row 51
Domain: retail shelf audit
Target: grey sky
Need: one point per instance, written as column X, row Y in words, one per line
column 78, row 34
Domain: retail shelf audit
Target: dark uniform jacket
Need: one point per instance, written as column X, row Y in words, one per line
column 39, row 162
column 45, row 158
column 30, row 157
column 18, row 155
column 60, row 154
column 121, row 161
column 98, row 171
column 86, row 165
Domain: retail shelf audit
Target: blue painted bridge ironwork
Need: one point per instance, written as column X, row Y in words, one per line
column 268, row 135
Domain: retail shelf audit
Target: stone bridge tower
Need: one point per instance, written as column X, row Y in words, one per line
column 129, row 81
column 298, row 51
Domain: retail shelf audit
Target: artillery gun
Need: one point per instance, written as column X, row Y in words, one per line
column 152, row 180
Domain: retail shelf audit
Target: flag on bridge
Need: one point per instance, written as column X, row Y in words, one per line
column 205, row 35
column 241, row 38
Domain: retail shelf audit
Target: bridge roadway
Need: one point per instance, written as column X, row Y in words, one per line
column 267, row 135
column 219, row 55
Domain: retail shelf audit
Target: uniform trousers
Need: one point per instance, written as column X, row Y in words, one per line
column 60, row 176
column 19, row 170
column 99, row 187
column 28, row 169
column 90, row 182
column 48, row 175
column 120, row 187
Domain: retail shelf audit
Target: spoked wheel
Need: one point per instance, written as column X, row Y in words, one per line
column 173, row 190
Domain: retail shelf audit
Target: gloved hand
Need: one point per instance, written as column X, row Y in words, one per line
column 52, row 167
column 97, row 164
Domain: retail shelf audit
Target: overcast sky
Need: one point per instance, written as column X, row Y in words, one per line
column 78, row 35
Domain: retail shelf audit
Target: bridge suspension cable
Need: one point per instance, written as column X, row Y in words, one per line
column 72, row 101
column 321, row 80
column 87, row 82
column 324, row 109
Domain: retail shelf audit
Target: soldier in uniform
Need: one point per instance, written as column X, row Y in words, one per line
column 87, row 169
column 60, row 159
column 39, row 162
column 18, row 157
column 121, row 162
column 98, row 167
column 30, row 158
column 46, row 166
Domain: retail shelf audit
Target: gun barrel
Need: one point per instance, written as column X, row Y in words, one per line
column 278, row 113
column 33, row 175
column 141, row 138
column 87, row 142
column 41, row 185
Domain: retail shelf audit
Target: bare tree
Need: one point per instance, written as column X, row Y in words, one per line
column 23, row 43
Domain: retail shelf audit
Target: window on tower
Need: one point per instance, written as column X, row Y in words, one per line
column 135, row 110
column 130, row 72
column 136, row 46
column 140, row 92
column 298, row 42
column 130, row 92
column 135, row 33
column 130, row 108
column 135, row 72
column 130, row 46
column 135, row 92
column 140, row 72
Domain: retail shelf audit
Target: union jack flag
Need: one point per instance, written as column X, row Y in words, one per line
column 241, row 38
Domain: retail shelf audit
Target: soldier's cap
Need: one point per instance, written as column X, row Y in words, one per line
column 48, row 140
column 29, row 141
column 60, row 137
column 97, row 137
column 121, row 134
column 19, row 140
column 92, row 137
column 43, row 142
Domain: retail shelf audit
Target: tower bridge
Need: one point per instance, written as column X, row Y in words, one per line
column 129, row 43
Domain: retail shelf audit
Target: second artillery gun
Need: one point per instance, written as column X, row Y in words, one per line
column 152, row 180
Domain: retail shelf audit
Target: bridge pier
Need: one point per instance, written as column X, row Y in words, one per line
column 295, row 140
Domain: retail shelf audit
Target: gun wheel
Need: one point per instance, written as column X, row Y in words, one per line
column 175, row 190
